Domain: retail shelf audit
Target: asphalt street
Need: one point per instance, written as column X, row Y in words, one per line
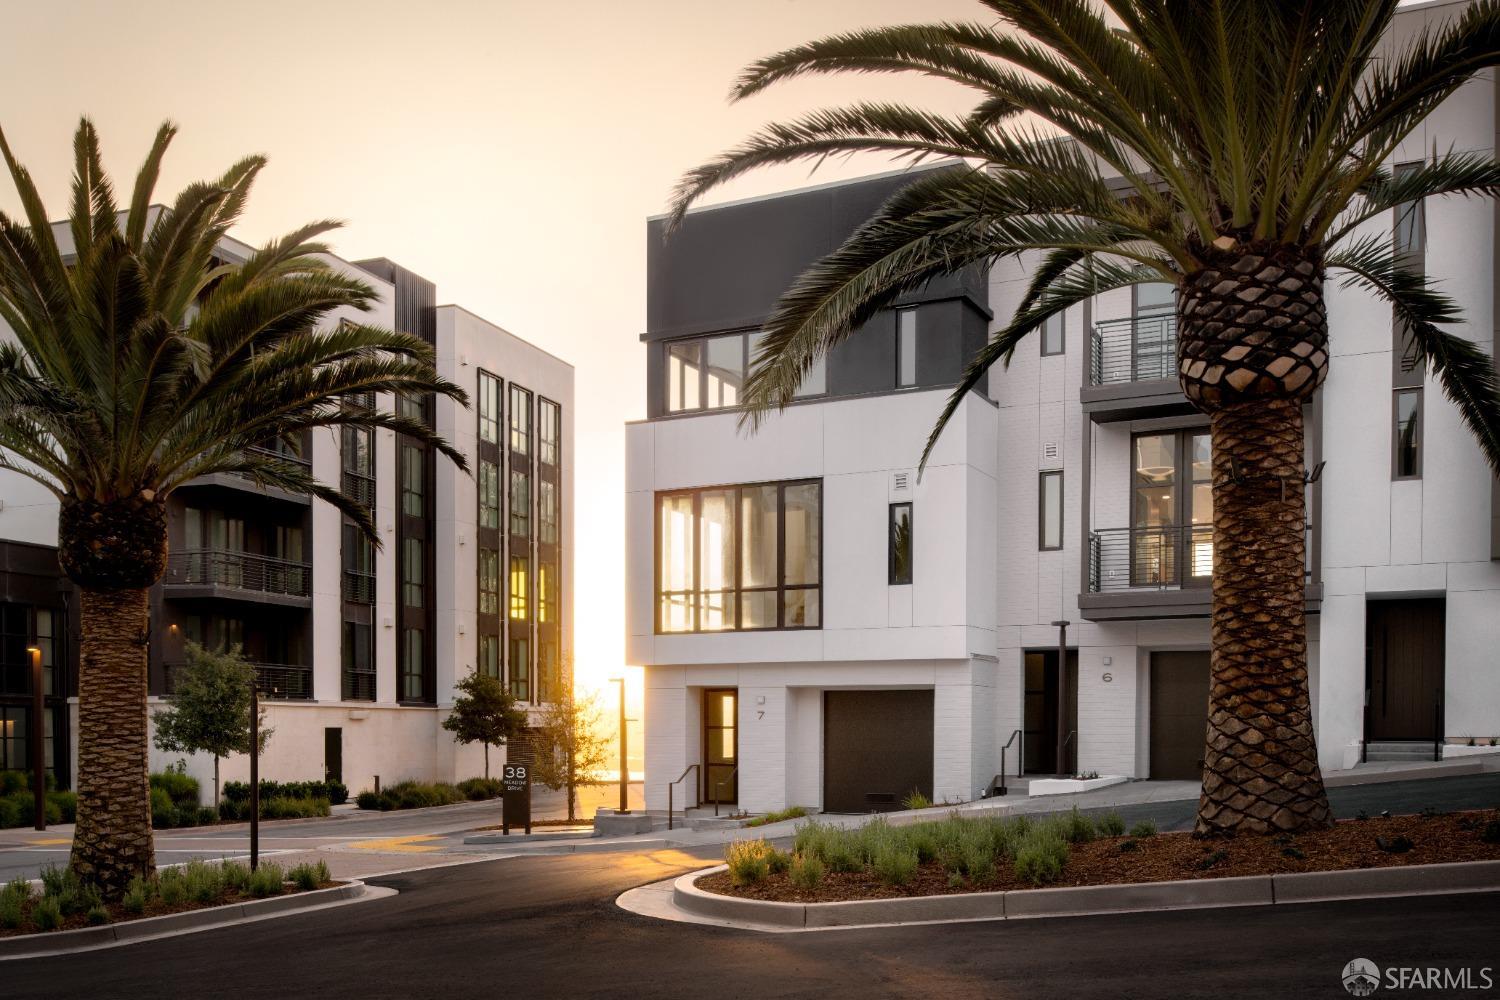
column 548, row 927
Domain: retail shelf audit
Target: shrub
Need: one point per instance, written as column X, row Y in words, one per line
column 289, row 808
column 163, row 810
column 1145, row 828
column 1111, row 825
column 749, row 861
column 66, row 804
column 778, row 861
column 180, row 788
column 171, row 887
column 336, row 792
column 794, row 812
column 916, row 800
column 1040, row 855
column 806, row 871
column 136, row 896
column 10, row 811
column 204, row 883
column 98, row 915
column 267, row 880
column 309, row 876
column 479, row 789
column 1126, row 846
column 14, row 782
column 236, row 875
column 367, row 800
column 1077, row 828
column 10, row 912
column 894, row 864
column 47, row 914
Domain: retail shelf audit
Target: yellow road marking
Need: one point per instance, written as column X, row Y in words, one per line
column 410, row 845
column 51, row 841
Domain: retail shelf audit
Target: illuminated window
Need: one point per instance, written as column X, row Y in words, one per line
column 737, row 558
column 520, row 593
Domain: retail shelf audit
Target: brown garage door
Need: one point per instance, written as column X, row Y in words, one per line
column 877, row 749
column 1179, row 714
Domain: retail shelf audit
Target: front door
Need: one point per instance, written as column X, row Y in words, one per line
column 1179, row 715
column 721, row 745
column 1040, row 721
column 333, row 754
column 1405, row 668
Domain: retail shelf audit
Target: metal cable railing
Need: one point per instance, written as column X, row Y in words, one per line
column 239, row 571
column 1133, row 349
column 1156, row 558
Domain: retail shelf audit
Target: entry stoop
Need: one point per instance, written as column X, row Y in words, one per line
column 1398, row 750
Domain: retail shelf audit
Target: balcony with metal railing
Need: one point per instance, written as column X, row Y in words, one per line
column 282, row 681
column 1132, row 367
column 243, row 481
column 1157, row 572
column 241, row 576
column 359, row 588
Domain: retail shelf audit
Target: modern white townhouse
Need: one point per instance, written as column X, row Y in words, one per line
column 820, row 627
column 357, row 648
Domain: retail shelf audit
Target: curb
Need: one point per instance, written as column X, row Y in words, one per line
column 534, row 849
column 126, row 932
column 1020, row 904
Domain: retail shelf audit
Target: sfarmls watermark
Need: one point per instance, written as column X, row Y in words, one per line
column 1363, row 977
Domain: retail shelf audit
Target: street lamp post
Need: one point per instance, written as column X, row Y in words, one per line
column 1062, row 697
column 624, row 770
column 38, row 739
column 255, row 771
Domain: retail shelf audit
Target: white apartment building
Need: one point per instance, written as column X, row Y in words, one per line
column 358, row 649
column 820, row 628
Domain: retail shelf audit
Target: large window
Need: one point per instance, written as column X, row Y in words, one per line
column 489, row 656
column 411, row 572
column 1050, row 504
column 546, row 512
column 1172, row 509
column 359, row 663
column 740, row 557
column 489, row 408
column 489, row 494
column 899, row 544
column 520, row 587
column 520, row 667
column 1406, row 438
column 708, row 373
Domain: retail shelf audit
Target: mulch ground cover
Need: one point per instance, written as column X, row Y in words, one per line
column 154, row 908
column 1377, row 842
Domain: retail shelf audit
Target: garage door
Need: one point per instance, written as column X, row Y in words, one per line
column 877, row 749
column 1179, row 714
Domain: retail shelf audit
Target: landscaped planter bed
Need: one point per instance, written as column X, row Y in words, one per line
column 77, row 909
column 1351, row 844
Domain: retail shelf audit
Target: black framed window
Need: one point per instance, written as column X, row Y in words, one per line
column 489, row 494
column 520, row 587
column 1172, row 509
column 549, row 432
column 411, row 572
column 906, row 348
column 359, row 662
column 489, row 581
column 489, row 655
column 708, row 373
column 899, row 544
column 520, row 667
column 413, row 479
column 546, row 512
column 489, row 407
column 738, row 558
column 1050, row 505
column 1054, row 335
column 1406, row 437
column 520, row 420
column 520, row 503
column 412, row 674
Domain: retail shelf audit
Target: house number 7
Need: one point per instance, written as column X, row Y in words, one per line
column 760, row 713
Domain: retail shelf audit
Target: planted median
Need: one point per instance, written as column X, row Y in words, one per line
column 967, row 854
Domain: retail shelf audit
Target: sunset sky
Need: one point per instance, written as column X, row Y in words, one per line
column 511, row 152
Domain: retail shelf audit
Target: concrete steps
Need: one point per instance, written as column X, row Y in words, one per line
column 1398, row 750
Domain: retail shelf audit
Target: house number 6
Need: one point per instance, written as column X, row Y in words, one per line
column 1108, row 677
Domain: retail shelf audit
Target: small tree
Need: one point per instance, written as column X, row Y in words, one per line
column 485, row 712
column 570, row 744
column 210, row 708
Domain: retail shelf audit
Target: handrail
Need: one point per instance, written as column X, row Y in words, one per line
column 720, row 784
column 1437, row 728
column 1020, row 764
column 690, row 767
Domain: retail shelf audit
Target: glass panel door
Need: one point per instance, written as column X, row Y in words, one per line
column 1153, row 555
column 1155, row 345
column 720, row 745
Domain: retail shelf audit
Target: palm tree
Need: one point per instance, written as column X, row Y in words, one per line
column 1236, row 149
column 139, row 361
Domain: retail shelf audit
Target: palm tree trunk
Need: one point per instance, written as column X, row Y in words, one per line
column 112, row 842
column 1261, row 763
